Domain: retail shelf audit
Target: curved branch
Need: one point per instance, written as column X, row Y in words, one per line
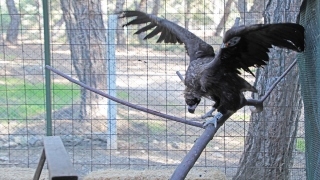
column 140, row 108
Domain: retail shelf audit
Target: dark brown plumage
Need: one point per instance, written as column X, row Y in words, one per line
column 216, row 76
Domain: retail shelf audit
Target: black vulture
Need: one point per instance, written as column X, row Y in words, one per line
column 216, row 76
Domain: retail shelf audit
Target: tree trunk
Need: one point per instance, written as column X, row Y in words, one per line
column 271, row 135
column 156, row 5
column 249, row 15
column 187, row 13
column 86, row 35
column 245, row 16
column 120, row 32
column 225, row 17
column 142, row 6
column 13, row 29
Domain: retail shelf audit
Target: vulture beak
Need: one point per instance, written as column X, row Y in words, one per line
column 192, row 108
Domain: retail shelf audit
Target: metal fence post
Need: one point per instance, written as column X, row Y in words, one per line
column 47, row 62
column 111, row 82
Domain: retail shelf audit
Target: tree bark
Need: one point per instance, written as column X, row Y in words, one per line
column 187, row 13
column 271, row 135
column 120, row 32
column 13, row 29
column 225, row 17
column 155, row 8
column 250, row 15
column 142, row 6
column 87, row 38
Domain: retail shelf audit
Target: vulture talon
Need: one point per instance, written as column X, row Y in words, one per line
column 213, row 121
column 208, row 114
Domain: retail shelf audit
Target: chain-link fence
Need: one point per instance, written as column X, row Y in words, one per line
column 144, row 73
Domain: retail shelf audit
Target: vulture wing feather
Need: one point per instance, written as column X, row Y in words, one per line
column 170, row 33
column 255, row 41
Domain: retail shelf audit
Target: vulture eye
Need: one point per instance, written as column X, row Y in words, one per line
column 232, row 42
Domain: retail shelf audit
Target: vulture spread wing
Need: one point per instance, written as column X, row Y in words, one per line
column 247, row 46
column 170, row 33
column 216, row 76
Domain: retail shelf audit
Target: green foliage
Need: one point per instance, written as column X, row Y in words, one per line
column 29, row 11
column 30, row 17
column 300, row 144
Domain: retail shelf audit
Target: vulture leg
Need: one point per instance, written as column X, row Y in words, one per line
column 214, row 120
column 209, row 113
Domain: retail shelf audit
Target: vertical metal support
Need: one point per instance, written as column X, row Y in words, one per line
column 111, row 82
column 47, row 62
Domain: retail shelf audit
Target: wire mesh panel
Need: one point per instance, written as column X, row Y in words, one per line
column 145, row 74
column 309, row 70
column 22, row 95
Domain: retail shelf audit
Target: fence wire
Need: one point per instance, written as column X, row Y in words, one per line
column 145, row 75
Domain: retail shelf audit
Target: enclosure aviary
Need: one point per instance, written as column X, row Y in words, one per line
column 216, row 76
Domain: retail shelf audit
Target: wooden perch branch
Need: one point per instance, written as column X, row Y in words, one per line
column 140, row 108
column 180, row 76
column 190, row 159
column 278, row 80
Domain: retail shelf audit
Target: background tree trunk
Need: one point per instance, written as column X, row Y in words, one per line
column 270, row 140
column 226, row 15
column 87, row 38
column 249, row 14
column 120, row 32
column 13, row 29
column 142, row 6
column 156, row 6
column 187, row 13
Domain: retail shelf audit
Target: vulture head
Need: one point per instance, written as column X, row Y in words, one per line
column 191, row 101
